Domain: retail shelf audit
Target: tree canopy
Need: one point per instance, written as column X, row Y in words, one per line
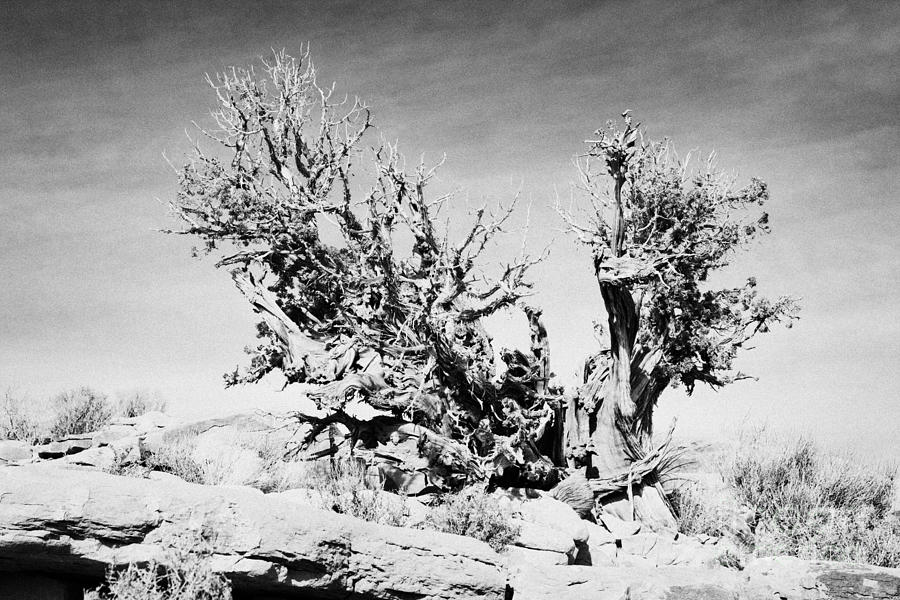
column 365, row 301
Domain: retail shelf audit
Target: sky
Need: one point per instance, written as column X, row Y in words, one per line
column 804, row 95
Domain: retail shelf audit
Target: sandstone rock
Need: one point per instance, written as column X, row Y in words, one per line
column 539, row 537
column 303, row 496
column 619, row 528
column 101, row 458
column 781, row 578
column 530, row 556
column 147, row 422
column 539, row 508
column 14, row 451
column 64, row 447
column 792, row 577
column 597, row 555
column 79, row 522
column 551, row 512
column 640, row 544
column 600, row 535
column 114, row 433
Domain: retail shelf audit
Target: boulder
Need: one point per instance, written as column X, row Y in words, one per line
column 617, row 527
column 76, row 523
column 14, row 451
column 542, row 509
column 102, row 458
column 545, row 539
column 64, row 447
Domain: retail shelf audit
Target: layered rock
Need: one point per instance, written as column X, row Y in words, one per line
column 78, row 522
column 764, row 579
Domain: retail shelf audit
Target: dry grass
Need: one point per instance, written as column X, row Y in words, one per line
column 139, row 403
column 696, row 515
column 344, row 487
column 475, row 514
column 22, row 420
column 73, row 412
column 184, row 573
column 803, row 502
column 80, row 411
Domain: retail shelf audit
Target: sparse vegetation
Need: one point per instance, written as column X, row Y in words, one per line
column 344, row 487
column 475, row 514
column 176, row 456
column 804, row 502
column 694, row 512
column 79, row 411
column 184, row 573
column 20, row 420
column 139, row 403
column 72, row 412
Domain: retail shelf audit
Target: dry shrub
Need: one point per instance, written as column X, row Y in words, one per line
column 184, row 573
column 177, row 455
column 344, row 487
column 276, row 473
column 139, row 403
column 79, row 411
column 21, row 420
column 813, row 505
column 475, row 514
column 696, row 514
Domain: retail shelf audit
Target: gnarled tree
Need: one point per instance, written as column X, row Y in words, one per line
column 657, row 230
column 361, row 298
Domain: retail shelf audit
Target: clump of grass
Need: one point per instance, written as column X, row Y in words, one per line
column 139, row 403
column 79, row 411
column 184, row 573
column 274, row 473
column 695, row 514
column 813, row 505
column 475, row 514
column 344, row 487
column 176, row 457
column 20, row 420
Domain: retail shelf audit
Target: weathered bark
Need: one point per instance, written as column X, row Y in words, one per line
column 619, row 399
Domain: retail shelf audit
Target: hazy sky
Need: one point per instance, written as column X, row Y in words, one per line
column 802, row 94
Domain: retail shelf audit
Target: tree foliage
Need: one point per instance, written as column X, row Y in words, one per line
column 658, row 229
column 361, row 296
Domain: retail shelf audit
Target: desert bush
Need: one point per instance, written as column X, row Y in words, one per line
column 475, row 514
column 696, row 514
column 139, row 403
column 20, row 420
column 184, row 573
column 176, row 455
column 276, row 472
column 814, row 505
column 344, row 487
column 79, row 411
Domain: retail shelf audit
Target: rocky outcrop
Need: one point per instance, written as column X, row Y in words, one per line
column 764, row 579
column 78, row 522
column 63, row 522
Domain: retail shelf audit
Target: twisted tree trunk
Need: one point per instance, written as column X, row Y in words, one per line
column 619, row 398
